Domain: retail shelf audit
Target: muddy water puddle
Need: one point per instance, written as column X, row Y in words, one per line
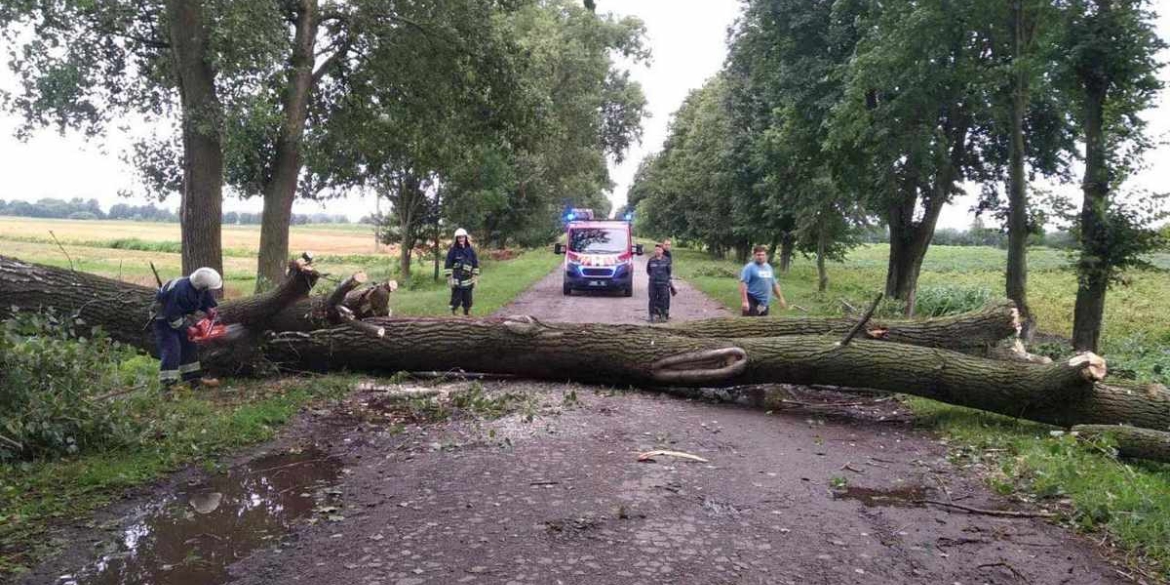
column 903, row 497
column 191, row 537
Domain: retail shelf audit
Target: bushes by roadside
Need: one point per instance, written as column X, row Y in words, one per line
column 58, row 389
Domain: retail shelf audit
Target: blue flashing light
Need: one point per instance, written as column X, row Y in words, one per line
column 629, row 216
column 571, row 216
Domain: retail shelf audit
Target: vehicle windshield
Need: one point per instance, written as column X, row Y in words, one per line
column 598, row 240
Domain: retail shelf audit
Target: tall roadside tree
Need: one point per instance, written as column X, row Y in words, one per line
column 910, row 126
column 1109, row 66
column 85, row 65
column 788, row 59
column 424, row 102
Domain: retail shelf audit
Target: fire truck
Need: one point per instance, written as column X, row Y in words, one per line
column 599, row 254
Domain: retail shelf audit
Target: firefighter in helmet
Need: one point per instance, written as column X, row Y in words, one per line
column 175, row 301
column 462, row 270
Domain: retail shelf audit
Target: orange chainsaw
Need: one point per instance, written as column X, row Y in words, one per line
column 209, row 331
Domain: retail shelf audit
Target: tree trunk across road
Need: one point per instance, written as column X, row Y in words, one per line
column 1067, row 392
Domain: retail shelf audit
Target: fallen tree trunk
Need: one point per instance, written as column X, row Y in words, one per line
column 1131, row 442
column 1066, row 393
column 968, row 332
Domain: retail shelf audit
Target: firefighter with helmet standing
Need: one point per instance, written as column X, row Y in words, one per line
column 175, row 301
column 462, row 270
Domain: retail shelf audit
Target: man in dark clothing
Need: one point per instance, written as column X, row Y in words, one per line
column 174, row 303
column 658, row 267
column 462, row 270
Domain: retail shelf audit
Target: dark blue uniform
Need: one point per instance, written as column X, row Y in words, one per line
column 176, row 300
column 462, row 268
column 659, row 271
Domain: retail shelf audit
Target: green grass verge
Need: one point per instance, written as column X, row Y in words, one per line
column 191, row 428
column 1129, row 502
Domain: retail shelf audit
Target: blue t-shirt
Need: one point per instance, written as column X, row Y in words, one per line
column 759, row 279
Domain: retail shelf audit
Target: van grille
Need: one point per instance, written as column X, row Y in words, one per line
column 606, row 272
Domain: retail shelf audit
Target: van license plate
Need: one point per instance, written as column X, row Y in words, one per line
column 596, row 283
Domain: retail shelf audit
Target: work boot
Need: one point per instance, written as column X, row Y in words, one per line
column 452, row 311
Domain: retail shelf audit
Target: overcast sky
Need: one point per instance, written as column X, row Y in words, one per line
column 688, row 40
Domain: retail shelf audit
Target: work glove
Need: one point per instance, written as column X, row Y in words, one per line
column 673, row 291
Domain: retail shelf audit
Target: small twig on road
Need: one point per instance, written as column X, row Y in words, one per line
column 849, row 467
column 1006, row 566
column 536, row 483
column 986, row 512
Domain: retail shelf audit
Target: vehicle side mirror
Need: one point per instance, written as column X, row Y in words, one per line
column 639, row 250
column 558, row 248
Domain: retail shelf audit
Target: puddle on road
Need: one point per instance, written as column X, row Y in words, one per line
column 904, row 497
column 191, row 537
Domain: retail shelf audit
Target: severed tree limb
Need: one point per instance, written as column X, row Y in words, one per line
column 968, row 332
column 1130, row 441
column 337, row 297
column 864, row 319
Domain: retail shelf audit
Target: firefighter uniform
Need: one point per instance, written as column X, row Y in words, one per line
column 659, row 288
column 462, row 270
column 179, row 356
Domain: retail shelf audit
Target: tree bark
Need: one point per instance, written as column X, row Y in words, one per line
column 201, row 207
column 1131, row 442
column 281, row 188
column 969, row 332
column 822, row 273
column 1093, row 269
column 1017, row 256
column 787, row 246
column 910, row 238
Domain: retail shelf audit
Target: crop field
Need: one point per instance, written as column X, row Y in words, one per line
column 124, row 250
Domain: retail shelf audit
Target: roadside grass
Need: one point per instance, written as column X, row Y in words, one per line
column 187, row 428
column 1127, row 501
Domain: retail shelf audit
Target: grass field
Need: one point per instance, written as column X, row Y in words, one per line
column 1125, row 504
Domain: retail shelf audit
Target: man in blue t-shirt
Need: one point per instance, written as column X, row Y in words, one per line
column 756, row 285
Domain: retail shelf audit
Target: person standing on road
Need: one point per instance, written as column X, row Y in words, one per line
column 757, row 282
column 658, row 267
column 174, row 302
column 462, row 271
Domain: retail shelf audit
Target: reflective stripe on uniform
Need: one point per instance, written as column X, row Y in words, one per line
column 177, row 323
column 475, row 271
column 189, row 368
column 166, row 375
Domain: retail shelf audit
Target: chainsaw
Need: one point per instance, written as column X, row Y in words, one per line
column 210, row 331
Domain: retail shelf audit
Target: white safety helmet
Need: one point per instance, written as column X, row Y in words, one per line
column 206, row 278
column 460, row 232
